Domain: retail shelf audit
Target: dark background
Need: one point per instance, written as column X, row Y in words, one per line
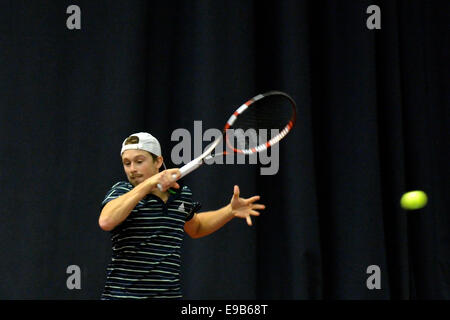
column 373, row 122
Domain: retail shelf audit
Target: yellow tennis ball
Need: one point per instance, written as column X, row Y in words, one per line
column 414, row 200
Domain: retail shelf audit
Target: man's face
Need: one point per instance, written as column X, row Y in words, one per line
column 139, row 165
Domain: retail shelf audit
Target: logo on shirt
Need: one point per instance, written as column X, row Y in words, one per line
column 181, row 207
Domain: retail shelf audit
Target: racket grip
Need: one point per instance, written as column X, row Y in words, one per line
column 189, row 167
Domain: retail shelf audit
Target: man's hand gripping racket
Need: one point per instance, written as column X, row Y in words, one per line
column 255, row 126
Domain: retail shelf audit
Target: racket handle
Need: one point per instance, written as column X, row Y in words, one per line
column 189, row 167
column 185, row 170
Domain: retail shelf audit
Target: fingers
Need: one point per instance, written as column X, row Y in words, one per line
column 249, row 220
column 252, row 199
column 248, row 217
column 252, row 205
column 167, row 179
column 258, row 206
column 174, row 173
column 236, row 192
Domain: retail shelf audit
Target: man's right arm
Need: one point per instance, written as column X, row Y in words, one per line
column 117, row 210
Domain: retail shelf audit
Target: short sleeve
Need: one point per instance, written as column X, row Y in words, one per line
column 195, row 207
column 116, row 191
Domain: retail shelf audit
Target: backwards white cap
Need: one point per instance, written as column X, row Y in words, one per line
column 142, row 141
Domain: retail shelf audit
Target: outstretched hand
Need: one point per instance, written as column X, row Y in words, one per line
column 245, row 208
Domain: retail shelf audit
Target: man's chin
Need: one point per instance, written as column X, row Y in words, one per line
column 135, row 182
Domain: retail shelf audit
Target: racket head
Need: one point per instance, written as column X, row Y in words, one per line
column 261, row 122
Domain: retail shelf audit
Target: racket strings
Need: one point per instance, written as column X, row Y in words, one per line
column 261, row 121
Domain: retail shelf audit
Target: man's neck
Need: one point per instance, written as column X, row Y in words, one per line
column 163, row 195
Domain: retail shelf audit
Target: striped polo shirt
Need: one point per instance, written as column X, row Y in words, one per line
column 146, row 246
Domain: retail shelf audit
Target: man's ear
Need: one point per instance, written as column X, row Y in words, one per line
column 159, row 161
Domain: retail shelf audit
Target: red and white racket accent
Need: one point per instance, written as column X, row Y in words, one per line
column 273, row 140
column 241, row 109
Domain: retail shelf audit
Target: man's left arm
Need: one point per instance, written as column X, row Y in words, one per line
column 205, row 223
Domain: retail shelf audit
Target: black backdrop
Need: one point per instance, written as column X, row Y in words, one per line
column 373, row 123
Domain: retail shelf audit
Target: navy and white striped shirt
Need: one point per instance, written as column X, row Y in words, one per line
column 146, row 246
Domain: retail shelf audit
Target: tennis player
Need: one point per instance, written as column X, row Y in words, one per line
column 147, row 225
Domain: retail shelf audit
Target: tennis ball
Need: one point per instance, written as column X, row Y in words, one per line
column 414, row 200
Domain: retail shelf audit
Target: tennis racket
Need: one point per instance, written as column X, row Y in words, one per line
column 251, row 128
